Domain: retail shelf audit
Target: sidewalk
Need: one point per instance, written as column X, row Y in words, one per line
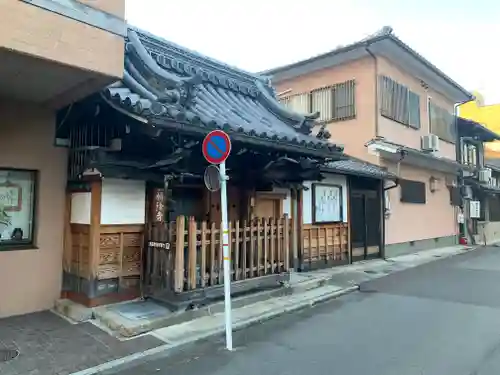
column 51, row 345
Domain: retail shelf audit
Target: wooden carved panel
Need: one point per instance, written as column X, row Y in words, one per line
column 120, row 253
column 132, row 254
column 132, row 268
column 109, row 241
column 108, row 256
column 132, row 239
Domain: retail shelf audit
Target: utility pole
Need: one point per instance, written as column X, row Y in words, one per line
column 460, row 178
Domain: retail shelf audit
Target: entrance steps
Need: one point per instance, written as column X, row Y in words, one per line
column 133, row 318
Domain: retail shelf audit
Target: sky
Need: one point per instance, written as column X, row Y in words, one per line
column 462, row 38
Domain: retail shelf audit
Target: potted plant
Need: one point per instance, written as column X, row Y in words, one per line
column 5, row 219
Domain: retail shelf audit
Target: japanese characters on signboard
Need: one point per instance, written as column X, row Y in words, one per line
column 159, row 205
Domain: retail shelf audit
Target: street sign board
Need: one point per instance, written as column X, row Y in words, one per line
column 159, row 245
column 212, row 178
column 475, row 209
column 216, row 147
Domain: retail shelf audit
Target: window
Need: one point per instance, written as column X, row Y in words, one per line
column 300, row 103
column 344, row 101
column 398, row 103
column 334, row 103
column 327, row 204
column 17, row 206
column 455, row 196
column 494, row 207
column 441, row 123
column 412, row 191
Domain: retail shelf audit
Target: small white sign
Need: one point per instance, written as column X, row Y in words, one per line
column 475, row 209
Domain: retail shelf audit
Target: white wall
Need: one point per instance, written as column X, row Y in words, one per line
column 307, row 196
column 123, row 201
column 80, row 208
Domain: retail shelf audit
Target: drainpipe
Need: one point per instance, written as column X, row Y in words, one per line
column 384, row 189
column 367, row 49
column 460, row 179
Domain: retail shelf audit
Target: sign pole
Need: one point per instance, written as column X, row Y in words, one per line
column 227, row 257
column 216, row 148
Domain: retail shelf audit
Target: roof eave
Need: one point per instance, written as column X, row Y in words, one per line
column 322, row 152
column 470, row 128
column 464, row 94
column 389, row 177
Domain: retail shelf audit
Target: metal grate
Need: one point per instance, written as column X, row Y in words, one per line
column 7, row 355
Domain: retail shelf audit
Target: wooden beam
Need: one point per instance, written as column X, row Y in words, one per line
column 300, row 226
column 95, row 226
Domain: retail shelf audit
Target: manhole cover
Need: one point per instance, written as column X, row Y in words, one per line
column 8, row 354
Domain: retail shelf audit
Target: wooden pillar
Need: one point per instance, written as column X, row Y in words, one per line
column 300, row 228
column 348, row 195
column 68, row 248
column 179, row 254
column 95, row 228
column 295, row 229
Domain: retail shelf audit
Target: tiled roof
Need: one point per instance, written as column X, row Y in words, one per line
column 359, row 168
column 165, row 81
column 470, row 128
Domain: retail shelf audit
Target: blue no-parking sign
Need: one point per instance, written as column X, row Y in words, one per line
column 216, row 147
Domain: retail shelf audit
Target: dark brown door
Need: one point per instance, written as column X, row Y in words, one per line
column 365, row 216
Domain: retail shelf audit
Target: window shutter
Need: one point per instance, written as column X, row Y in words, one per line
column 301, row 103
column 414, row 110
column 321, row 101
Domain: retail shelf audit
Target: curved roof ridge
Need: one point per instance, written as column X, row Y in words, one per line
column 200, row 56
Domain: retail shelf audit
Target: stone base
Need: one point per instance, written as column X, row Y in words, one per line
column 409, row 247
column 73, row 311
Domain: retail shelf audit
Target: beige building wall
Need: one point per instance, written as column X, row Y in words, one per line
column 398, row 133
column 407, row 222
column 31, row 30
column 353, row 134
column 413, row 222
column 31, row 279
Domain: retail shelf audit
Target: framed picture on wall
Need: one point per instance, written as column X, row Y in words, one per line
column 17, row 207
column 327, row 203
column 11, row 196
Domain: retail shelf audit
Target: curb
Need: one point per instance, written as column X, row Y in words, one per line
column 215, row 332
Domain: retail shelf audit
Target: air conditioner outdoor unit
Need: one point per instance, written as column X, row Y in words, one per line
column 430, row 142
column 484, row 175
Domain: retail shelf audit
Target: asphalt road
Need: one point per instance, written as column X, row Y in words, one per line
column 437, row 319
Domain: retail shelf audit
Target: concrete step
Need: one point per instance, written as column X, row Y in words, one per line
column 132, row 318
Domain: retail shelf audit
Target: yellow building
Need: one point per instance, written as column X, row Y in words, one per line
column 487, row 115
